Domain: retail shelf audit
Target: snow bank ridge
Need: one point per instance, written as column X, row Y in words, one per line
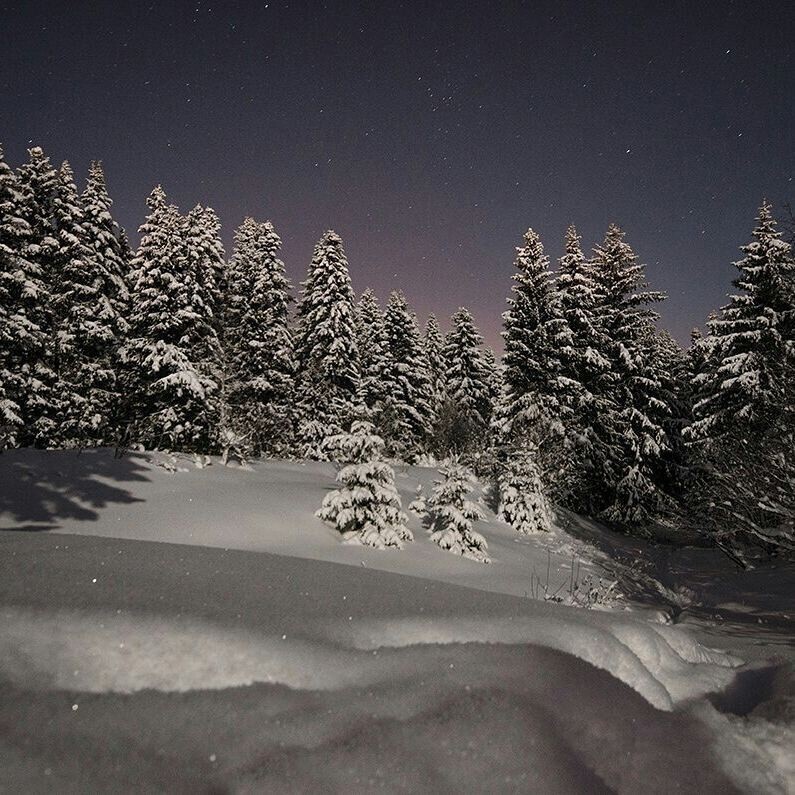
column 664, row 664
column 97, row 652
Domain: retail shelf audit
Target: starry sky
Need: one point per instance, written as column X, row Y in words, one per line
column 429, row 135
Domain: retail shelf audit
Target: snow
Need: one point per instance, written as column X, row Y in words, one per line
column 663, row 664
column 242, row 656
column 758, row 755
column 99, row 652
column 269, row 506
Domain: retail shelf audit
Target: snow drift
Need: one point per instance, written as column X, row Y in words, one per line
column 122, row 653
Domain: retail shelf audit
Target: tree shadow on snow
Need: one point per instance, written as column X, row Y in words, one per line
column 39, row 489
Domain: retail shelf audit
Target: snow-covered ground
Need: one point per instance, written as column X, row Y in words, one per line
column 267, row 508
column 194, row 631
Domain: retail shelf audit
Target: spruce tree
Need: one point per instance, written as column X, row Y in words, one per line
column 127, row 254
column 206, row 254
column 523, row 502
column 433, row 344
column 673, row 368
column 21, row 290
column 574, row 284
column 40, row 400
column 492, row 373
column 373, row 354
column 744, row 422
column 584, row 365
column 407, row 417
column 367, row 507
column 468, row 386
column 84, row 324
column 108, row 241
column 630, row 428
column 111, row 258
column 257, row 341
column 172, row 399
column 327, row 356
column 751, row 339
column 536, row 403
column 205, row 272
column 451, row 514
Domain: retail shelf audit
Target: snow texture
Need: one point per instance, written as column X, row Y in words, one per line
column 335, row 675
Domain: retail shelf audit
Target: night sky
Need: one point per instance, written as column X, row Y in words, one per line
column 428, row 135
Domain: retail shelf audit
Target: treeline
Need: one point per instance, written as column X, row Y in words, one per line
column 175, row 347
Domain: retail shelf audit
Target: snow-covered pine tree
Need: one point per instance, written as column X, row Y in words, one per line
column 86, row 325
column 206, row 251
column 41, row 405
column 172, row 399
column 699, row 365
column 493, row 375
column 111, row 256
column 575, row 287
column 108, row 241
column 206, row 271
column 419, row 504
column 126, row 257
column 433, row 344
column 468, row 409
column 21, row 291
column 536, row 397
column 523, row 502
column 257, row 340
column 672, row 365
column 327, row 357
column 407, row 417
column 367, row 507
column 373, row 353
column 744, row 413
column 496, row 448
column 750, row 340
column 450, row 513
column 584, row 367
column 642, row 493
column 625, row 487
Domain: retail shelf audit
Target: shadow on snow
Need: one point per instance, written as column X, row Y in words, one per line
column 39, row 489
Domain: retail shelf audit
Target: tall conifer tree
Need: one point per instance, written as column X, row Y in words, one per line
column 468, row 385
column 107, row 239
column 534, row 334
column 258, row 343
column 751, row 339
column 744, row 391
column 408, row 413
column 21, row 290
column 173, row 400
column 112, row 256
column 373, row 354
column 327, row 356
column 433, row 344
column 583, row 363
column 535, row 408
column 631, row 425
column 84, row 322
column 38, row 183
column 206, row 265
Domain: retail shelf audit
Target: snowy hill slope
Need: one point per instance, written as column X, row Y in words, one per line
column 140, row 666
column 212, row 664
column 267, row 508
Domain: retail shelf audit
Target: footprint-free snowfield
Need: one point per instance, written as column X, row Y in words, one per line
column 193, row 658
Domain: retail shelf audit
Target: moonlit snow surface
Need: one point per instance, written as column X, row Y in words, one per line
column 101, row 653
column 443, row 679
column 213, row 664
